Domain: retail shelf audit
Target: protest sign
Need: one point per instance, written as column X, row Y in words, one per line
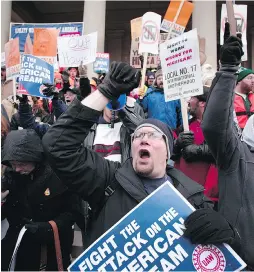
column 182, row 19
column 2, row 59
column 73, row 50
column 12, row 58
column 34, row 73
column 136, row 27
column 150, row 238
column 181, row 66
column 101, row 64
column 240, row 12
column 45, row 44
column 28, row 46
column 150, row 34
column 152, row 60
column 71, row 34
column 22, row 30
column 149, row 39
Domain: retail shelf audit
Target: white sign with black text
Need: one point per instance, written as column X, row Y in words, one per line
column 73, row 50
column 181, row 66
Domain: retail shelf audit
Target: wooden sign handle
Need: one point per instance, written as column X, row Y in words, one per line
column 231, row 17
column 144, row 71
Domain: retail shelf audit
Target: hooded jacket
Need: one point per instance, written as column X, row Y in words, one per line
column 168, row 112
column 37, row 197
column 88, row 174
column 234, row 159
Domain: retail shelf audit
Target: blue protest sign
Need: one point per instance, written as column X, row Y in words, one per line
column 34, row 73
column 22, row 30
column 101, row 64
column 149, row 238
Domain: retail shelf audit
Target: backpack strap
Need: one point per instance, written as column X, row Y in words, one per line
column 59, row 258
column 190, row 189
column 109, row 191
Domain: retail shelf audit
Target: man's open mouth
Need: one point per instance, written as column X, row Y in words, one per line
column 144, row 154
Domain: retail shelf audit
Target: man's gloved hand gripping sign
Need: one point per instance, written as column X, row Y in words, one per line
column 151, row 238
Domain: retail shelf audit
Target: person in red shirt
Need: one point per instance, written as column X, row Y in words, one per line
column 244, row 96
column 191, row 153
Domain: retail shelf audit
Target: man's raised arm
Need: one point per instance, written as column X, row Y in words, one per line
column 218, row 124
column 82, row 170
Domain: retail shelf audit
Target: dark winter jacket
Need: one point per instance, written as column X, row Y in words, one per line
column 235, row 161
column 37, row 197
column 168, row 112
column 199, row 163
column 88, row 174
column 15, row 122
column 27, row 119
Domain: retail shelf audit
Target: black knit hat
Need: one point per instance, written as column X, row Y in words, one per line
column 74, row 91
column 161, row 127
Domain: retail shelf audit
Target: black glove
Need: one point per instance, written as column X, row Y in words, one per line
column 50, row 90
column 121, row 79
column 184, row 139
column 82, row 70
column 192, row 153
column 226, row 32
column 141, row 58
column 23, row 99
column 231, row 52
column 65, row 76
column 205, row 226
column 42, row 231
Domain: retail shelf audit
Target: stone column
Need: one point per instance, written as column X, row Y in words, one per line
column 204, row 19
column 94, row 20
column 6, row 7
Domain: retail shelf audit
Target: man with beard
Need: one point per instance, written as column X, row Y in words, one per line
column 244, row 97
column 191, row 153
column 112, row 189
column 155, row 106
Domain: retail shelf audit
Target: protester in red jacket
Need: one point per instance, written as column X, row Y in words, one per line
column 244, row 97
column 192, row 155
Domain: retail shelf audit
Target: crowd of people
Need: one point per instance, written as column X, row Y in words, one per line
column 99, row 146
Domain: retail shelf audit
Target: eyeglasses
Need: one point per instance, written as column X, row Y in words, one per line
column 154, row 135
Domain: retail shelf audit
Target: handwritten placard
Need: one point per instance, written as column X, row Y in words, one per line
column 73, row 50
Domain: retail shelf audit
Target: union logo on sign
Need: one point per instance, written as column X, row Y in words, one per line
column 208, row 258
column 150, row 33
